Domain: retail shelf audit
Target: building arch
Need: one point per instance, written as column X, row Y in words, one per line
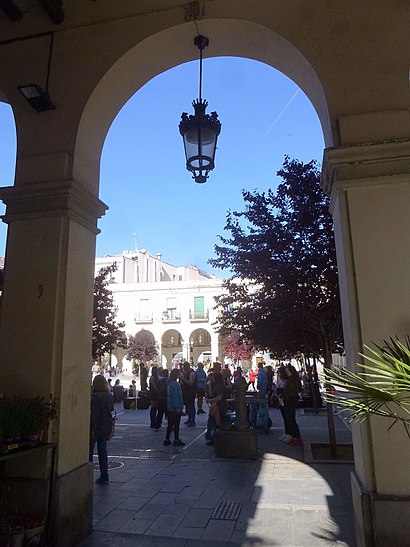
column 171, row 346
column 200, row 347
column 230, row 37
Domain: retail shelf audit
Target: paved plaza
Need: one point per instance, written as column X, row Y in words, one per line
column 166, row 496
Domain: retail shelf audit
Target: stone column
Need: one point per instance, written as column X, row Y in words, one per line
column 215, row 347
column 45, row 334
column 369, row 187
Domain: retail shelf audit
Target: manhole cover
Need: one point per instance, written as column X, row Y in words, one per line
column 227, row 510
column 113, row 464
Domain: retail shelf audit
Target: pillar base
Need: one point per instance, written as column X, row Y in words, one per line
column 72, row 507
column 236, row 444
column 380, row 520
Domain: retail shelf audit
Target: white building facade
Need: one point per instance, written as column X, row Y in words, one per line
column 175, row 304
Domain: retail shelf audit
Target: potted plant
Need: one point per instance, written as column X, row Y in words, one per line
column 23, row 420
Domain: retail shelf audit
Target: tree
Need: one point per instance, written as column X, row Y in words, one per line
column 142, row 346
column 107, row 333
column 237, row 348
column 284, row 293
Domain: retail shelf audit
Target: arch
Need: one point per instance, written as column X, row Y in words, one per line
column 229, row 37
column 171, row 346
column 8, row 158
column 199, row 344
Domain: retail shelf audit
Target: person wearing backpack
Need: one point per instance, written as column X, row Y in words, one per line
column 174, row 407
column 162, row 385
column 188, row 386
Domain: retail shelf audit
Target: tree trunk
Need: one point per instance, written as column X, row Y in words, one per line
column 313, row 383
column 329, row 408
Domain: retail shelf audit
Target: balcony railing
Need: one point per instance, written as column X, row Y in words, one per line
column 195, row 316
column 171, row 316
column 143, row 318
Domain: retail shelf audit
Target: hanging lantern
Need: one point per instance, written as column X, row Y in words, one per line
column 200, row 131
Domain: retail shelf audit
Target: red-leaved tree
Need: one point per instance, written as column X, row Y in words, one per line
column 237, row 348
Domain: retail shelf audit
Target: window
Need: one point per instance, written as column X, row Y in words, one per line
column 199, row 307
column 144, row 308
column 171, row 308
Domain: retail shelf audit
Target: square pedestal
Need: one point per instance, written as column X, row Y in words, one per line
column 236, row 444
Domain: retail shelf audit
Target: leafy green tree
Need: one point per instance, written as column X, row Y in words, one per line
column 284, row 293
column 107, row 333
column 142, row 347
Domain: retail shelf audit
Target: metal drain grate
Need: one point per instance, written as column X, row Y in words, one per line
column 112, row 464
column 227, row 510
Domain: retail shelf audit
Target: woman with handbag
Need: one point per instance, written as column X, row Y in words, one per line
column 217, row 406
column 101, row 422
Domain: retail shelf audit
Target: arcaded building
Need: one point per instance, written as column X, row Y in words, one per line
column 176, row 304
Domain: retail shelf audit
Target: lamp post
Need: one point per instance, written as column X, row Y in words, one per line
column 191, row 347
column 200, row 131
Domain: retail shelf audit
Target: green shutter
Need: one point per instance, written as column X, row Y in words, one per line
column 199, row 308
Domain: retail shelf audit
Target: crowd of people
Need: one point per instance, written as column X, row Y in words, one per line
column 173, row 394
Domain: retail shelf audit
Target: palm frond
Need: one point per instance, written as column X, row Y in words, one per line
column 380, row 388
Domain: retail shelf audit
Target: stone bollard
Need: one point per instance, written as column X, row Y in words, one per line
column 241, row 442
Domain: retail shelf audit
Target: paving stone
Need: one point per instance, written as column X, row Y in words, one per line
column 103, row 507
column 206, row 502
column 135, row 485
column 245, row 539
column 149, row 511
column 190, row 493
column 174, row 486
column 304, row 492
column 197, row 518
column 221, row 529
column 187, row 533
column 164, row 525
column 163, row 498
column 135, row 526
column 272, row 533
column 114, row 520
column 132, row 503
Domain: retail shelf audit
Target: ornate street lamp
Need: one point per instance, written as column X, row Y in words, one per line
column 200, row 131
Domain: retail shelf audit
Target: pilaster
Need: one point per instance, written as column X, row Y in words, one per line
column 45, row 332
column 369, row 187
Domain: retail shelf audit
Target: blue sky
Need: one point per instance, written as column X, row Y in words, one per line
column 143, row 177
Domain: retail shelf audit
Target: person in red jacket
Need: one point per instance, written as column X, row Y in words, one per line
column 252, row 378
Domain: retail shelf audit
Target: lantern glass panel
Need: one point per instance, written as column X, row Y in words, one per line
column 207, row 138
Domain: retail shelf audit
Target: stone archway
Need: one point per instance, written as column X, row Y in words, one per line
column 99, row 60
column 200, row 348
column 171, row 345
column 229, row 38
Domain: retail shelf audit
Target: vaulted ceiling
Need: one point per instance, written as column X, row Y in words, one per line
column 15, row 9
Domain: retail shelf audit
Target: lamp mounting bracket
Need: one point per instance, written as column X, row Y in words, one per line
column 194, row 11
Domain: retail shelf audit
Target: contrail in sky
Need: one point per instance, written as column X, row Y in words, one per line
column 278, row 117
